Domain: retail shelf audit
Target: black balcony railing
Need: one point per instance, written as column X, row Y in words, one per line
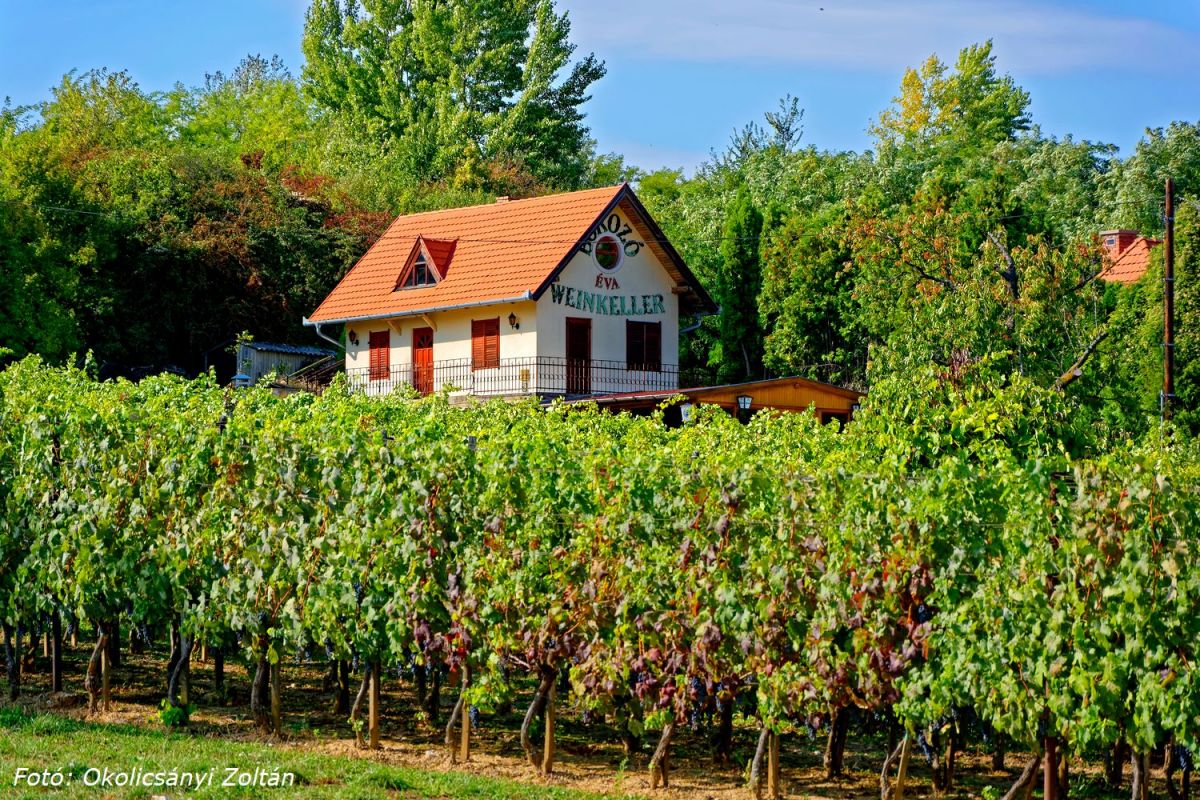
column 517, row 376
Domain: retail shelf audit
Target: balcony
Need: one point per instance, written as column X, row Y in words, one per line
column 542, row 376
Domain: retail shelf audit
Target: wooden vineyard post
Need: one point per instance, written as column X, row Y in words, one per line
column 106, row 700
column 219, row 671
column 902, row 774
column 56, row 642
column 548, row 744
column 460, row 715
column 464, row 750
column 185, row 683
column 373, row 708
column 276, row 701
column 773, row 790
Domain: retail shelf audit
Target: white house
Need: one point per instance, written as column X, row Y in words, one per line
column 572, row 294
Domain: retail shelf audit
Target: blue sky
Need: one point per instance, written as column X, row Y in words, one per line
column 683, row 74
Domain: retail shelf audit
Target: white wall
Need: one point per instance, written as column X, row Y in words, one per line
column 641, row 282
column 451, row 343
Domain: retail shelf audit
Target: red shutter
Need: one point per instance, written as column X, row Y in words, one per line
column 492, row 343
column 381, row 348
column 485, row 343
column 477, row 343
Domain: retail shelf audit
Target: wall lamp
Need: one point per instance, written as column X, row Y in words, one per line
column 744, row 401
column 513, row 321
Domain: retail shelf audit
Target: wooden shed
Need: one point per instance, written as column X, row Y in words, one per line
column 256, row 359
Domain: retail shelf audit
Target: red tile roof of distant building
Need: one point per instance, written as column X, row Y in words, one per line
column 1127, row 255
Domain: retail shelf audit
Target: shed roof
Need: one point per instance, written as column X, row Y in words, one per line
column 791, row 392
column 290, row 349
column 502, row 252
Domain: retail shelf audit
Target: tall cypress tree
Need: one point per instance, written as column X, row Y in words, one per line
column 739, row 281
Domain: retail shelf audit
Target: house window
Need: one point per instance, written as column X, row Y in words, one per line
column 643, row 346
column 381, row 349
column 485, row 343
column 421, row 274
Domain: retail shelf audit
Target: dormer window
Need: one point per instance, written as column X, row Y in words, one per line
column 427, row 263
column 420, row 275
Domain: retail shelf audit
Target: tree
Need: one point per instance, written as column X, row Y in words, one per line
column 971, row 104
column 259, row 115
column 150, row 228
column 807, row 306
column 738, row 283
column 1133, row 190
column 451, row 86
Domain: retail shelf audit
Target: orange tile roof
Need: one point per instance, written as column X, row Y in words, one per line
column 1130, row 265
column 501, row 252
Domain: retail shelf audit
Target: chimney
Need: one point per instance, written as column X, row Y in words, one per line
column 1117, row 242
column 503, row 199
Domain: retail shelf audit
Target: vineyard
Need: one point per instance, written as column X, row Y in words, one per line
column 964, row 564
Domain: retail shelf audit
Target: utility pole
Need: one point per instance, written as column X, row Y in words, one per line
column 1168, row 390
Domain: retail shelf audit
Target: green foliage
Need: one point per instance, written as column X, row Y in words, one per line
column 970, row 106
column 966, row 541
column 1187, row 315
column 151, row 228
column 455, row 90
column 173, row 716
column 737, row 287
column 1133, row 191
column 808, row 301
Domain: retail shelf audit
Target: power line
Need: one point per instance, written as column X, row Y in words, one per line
column 565, row 242
column 107, row 214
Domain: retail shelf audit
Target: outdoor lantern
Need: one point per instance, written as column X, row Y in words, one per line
column 353, row 337
column 513, row 322
column 743, row 401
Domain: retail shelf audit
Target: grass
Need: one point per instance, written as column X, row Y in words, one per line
column 40, row 741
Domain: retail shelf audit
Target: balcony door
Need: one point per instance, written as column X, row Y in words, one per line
column 422, row 355
column 579, row 355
